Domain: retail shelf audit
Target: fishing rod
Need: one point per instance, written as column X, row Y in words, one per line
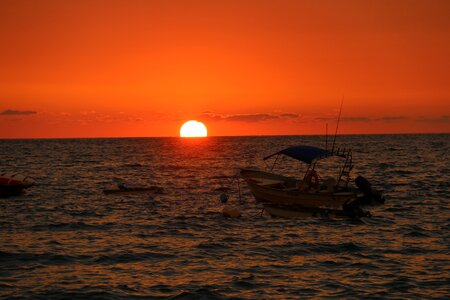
column 337, row 125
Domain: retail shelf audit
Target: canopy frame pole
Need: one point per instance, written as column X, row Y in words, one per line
column 311, row 167
column 273, row 165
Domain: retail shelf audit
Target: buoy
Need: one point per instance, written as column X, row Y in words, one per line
column 223, row 198
column 231, row 212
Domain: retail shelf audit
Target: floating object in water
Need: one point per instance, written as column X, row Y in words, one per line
column 124, row 189
column 13, row 184
column 223, row 198
column 231, row 212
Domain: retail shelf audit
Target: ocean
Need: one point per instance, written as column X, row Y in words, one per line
column 65, row 239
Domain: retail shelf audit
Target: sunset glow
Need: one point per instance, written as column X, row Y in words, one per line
column 119, row 68
column 193, row 129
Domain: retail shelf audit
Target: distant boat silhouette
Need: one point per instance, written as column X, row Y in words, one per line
column 12, row 184
column 122, row 188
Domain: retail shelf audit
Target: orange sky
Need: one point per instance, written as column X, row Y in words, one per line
column 142, row 68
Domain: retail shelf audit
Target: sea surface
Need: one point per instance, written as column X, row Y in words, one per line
column 65, row 239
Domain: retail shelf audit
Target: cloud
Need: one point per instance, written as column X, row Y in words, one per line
column 90, row 118
column 290, row 115
column 325, row 119
column 366, row 119
column 262, row 117
column 251, row 118
column 393, row 118
column 442, row 119
column 93, row 116
column 12, row 112
column 356, row 119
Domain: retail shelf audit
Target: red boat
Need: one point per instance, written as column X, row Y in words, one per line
column 13, row 184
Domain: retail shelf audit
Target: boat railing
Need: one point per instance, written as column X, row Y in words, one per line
column 345, row 170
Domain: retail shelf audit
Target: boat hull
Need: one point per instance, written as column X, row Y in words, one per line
column 277, row 190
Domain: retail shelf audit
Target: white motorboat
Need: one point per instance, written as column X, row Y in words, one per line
column 287, row 196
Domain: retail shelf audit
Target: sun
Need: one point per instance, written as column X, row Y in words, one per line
column 193, row 128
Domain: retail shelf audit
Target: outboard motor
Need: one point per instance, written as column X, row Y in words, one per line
column 351, row 209
column 370, row 197
column 363, row 184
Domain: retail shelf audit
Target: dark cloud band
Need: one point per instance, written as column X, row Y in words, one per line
column 259, row 117
column 12, row 112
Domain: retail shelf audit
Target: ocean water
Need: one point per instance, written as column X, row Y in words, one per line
column 65, row 239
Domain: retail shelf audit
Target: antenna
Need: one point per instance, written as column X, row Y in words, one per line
column 337, row 124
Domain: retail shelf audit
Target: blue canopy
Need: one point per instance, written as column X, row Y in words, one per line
column 304, row 153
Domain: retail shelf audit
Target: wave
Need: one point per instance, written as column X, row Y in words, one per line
column 40, row 258
column 130, row 257
column 72, row 226
column 199, row 294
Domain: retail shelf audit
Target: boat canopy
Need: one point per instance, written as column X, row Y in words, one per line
column 306, row 154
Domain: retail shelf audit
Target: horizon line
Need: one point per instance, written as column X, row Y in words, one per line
column 214, row 136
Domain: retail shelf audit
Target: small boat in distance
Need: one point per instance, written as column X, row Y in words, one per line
column 122, row 188
column 12, row 184
column 287, row 196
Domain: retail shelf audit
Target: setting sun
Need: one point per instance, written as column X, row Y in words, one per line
column 193, row 128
